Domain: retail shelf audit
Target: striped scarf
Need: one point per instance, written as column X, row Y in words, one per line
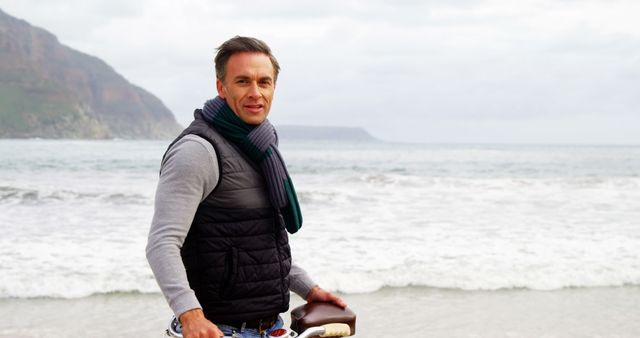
column 260, row 144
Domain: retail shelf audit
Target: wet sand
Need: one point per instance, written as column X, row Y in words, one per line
column 411, row 311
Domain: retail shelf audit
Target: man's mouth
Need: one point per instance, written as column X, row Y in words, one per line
column 254, row 108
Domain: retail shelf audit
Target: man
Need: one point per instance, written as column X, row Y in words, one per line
column 218, row 243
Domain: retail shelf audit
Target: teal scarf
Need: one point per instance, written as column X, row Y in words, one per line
column 260, row 144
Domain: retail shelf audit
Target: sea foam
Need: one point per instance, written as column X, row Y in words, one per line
column 75, row 223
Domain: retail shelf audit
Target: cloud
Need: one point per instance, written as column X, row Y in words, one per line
column 366, row 63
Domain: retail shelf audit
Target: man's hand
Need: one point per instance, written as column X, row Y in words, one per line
column 195, row 325
column 317, row 294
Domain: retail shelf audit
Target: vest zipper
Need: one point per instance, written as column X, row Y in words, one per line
column 277, row 220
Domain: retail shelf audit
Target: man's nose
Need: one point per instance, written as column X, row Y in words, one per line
column 254, row 90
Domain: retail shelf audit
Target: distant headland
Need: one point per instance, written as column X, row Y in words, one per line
column 311, row 133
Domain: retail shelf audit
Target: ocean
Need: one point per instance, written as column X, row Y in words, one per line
column 379, row 218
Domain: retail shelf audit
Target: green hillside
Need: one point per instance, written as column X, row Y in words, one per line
column 49, row 90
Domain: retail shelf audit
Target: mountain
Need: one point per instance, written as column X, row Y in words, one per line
column 290, row 132
column 49, row 90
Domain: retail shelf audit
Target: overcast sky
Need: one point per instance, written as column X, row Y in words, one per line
column 490, row 71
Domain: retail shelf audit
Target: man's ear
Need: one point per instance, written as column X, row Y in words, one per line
column 220, row 89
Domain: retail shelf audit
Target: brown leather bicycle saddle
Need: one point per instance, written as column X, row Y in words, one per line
column 318, row 314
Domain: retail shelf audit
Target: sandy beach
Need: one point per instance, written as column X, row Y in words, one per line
column 411, row 311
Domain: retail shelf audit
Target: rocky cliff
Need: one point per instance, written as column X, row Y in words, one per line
column 49, row 90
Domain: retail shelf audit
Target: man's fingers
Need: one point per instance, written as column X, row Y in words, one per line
column 318, row 294
column 201, row 329
column 210, row 333
column 338, row 301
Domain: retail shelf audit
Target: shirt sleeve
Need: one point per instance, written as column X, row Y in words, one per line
column 189, row 172
column 299, row 281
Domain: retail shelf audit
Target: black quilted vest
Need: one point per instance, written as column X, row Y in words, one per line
column 236, row 253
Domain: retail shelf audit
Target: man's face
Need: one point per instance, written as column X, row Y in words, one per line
column 248, row 86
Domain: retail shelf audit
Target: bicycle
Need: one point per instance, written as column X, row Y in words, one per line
column 324, row 320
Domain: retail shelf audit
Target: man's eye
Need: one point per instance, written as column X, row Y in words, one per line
column 242, row 81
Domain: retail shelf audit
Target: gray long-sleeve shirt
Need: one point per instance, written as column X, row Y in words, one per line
column 189, row 173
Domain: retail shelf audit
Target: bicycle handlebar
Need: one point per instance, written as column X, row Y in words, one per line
column 327, row 330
